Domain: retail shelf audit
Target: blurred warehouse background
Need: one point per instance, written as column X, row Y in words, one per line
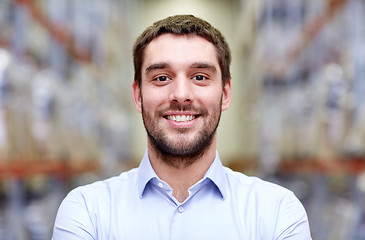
column 297, row 118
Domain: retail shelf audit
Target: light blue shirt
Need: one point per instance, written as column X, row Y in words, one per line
column 138, row 205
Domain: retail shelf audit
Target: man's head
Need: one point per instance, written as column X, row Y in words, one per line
column 183, row 25
column 179, row 88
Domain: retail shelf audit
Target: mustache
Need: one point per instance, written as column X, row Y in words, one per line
column 182, row 108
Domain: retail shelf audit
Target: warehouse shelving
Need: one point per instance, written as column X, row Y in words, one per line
column 61, row 33
column 303, row 105
column 62, row 103
column 65, row 169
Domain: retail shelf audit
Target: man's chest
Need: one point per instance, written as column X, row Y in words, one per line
column 201, row 217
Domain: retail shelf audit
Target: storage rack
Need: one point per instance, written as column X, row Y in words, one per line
column 310, row 106
column 308, row 174
column 54, row 83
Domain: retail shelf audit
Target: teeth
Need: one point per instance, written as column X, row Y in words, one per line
column 181, row 118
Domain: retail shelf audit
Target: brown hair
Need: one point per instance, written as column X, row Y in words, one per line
column 183, row 25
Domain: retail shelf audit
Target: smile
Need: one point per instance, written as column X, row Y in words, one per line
column 181, row 118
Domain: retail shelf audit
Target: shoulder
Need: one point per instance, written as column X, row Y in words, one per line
column 103, row 190
column 270, row 203
column 244, row 182
column 260, row 193
column 85, row 211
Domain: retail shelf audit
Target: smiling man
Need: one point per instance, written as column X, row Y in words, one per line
column 181, row 190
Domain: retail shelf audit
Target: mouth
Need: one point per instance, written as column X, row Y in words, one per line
column 181, row 117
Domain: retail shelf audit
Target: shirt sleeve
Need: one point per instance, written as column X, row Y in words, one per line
column 293, row 221
column 73, row 221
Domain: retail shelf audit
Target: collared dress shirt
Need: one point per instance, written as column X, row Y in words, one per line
column 138, row 205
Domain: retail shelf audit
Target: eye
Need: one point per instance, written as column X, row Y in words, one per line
column 199, row 78
column 162, row 79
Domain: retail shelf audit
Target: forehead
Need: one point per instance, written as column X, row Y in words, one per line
column 180, row 49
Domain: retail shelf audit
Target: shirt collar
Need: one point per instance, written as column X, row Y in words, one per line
column 215, row 173
column 145, row 174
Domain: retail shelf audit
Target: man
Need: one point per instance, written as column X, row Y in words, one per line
column 181, row 190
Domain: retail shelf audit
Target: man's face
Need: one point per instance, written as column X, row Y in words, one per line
column 181, row 94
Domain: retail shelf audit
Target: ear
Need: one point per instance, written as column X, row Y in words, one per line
column 227, row 95
column 137, row 97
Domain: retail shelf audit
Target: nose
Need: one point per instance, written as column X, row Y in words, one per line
column 181, row 91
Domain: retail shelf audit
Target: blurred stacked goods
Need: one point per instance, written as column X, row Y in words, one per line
column 305, row 95
column 65, row 78
column 64, row 103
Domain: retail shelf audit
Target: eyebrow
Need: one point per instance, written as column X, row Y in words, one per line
column 157, row 66
column 204, row 65
column 199, row 65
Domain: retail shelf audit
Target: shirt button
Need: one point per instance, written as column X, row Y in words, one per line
column 160, row 185
column 180, row 209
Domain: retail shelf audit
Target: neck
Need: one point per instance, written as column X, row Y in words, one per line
column 181, row 177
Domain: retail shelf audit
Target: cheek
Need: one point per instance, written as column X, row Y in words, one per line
column 151, row 100
column 209, row 98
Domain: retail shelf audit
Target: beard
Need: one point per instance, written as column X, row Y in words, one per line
column 184, row 151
